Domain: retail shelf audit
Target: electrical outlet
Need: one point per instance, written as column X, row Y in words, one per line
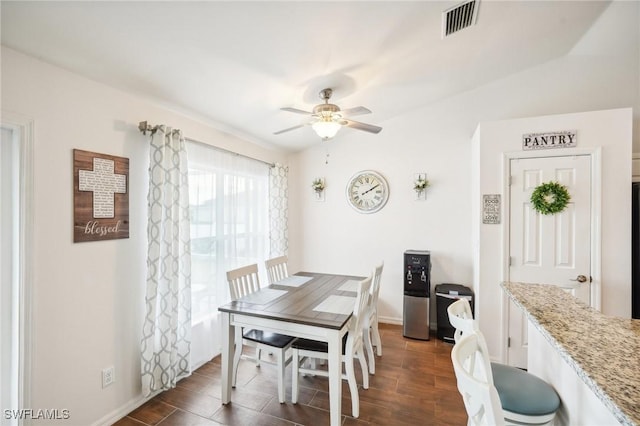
column 108, row 376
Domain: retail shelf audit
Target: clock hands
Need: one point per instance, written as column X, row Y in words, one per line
column 370, row 189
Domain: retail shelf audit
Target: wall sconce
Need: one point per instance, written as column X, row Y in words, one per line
column 318, row 187
column 420, row 185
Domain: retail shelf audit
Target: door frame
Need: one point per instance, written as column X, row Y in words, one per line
column 595, row 155
column 25, row 128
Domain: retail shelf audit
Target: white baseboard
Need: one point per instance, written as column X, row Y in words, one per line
column 390, row 320
column 119, row 413
column 398, row 321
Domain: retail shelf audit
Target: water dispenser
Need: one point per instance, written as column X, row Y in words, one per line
column 417, row 291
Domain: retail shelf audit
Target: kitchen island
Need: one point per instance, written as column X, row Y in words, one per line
column 592, row 360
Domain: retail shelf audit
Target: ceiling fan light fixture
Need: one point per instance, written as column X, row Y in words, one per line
column 326, row 129
column 326, row 118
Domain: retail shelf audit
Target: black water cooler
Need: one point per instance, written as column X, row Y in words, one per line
column 417, row 289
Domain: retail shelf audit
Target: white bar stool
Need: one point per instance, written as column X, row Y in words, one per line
column 526, row 399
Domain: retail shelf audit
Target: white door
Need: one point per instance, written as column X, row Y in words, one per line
column 548, row 249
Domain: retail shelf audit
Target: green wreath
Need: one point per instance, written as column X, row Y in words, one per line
column 550, row 198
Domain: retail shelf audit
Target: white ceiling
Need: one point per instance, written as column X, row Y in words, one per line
column 236, row 64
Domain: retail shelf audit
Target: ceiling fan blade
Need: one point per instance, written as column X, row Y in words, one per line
column 362, row 126
column 359, row 110
column 290, row 128
column 296, row 110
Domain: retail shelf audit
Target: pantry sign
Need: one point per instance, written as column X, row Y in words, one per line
column 100, row 196
column 550, row 140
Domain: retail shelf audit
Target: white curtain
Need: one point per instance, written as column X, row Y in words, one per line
column 279, row 210
column 229, row 197
column 166, row 340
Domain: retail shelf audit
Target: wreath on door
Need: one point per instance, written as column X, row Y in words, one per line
column 550, row 198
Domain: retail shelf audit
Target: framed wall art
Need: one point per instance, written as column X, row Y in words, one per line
column 100, row 196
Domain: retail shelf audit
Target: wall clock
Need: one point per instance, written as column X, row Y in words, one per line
column 367, row 191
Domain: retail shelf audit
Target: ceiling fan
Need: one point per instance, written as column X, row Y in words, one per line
column 328, row 118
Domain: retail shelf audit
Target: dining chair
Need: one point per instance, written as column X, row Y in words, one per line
column 480, row 397
column 370, row 329
column 277, row 269
column 243, row 282
column 352, row 348
column 525, row 398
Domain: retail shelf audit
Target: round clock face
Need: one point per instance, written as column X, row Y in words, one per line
column 367, row 191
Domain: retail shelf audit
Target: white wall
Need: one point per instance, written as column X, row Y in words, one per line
column 88, row 297
column 331, row 236
column 610, row 130
column 600, row 73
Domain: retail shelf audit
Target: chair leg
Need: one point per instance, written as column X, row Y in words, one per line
column 376, row 336
column 280, row 359
column 295, row 363
column 370, row 356
column 258, row 355
column 237, row 353
column 353, row 388
column 363, row 367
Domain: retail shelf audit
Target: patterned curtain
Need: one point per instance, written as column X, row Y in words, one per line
column 279, row 210
column 166, row 334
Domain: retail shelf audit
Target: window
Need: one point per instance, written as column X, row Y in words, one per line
column 229, row 200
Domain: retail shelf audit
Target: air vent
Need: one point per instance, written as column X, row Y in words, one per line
column 459, row 17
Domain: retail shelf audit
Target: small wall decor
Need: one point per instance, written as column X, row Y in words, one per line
column 491, row 206
column 318, row 188
column 420, row 185
column 100, row 196
column 550, row 198
column 564, row 139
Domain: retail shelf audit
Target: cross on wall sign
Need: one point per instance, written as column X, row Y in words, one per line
column 101, row 197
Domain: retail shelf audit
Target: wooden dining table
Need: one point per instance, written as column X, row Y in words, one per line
column 309, row 305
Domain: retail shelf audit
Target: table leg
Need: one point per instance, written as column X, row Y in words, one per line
column 335, row 378
column 228, row 340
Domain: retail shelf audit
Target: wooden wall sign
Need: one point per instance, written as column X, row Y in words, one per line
column 100, row 197
column 550, row 140
column 491, row 213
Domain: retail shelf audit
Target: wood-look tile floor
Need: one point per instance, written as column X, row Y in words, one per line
column 414, row 384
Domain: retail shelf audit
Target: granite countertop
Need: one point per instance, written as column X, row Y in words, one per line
column 604, row 351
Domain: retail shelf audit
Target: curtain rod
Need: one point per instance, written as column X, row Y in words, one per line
column 144, row 127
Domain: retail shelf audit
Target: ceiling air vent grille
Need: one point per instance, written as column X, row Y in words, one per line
column 459, row 17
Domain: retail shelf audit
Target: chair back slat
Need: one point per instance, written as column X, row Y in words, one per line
column 375, row 288
column 243, row 281
column 461, row 318
column 277, row 269
column 360, row 310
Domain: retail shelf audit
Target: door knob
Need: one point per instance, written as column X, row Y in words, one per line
column 580, row 279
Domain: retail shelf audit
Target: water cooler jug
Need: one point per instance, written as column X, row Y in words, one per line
column 417, row 289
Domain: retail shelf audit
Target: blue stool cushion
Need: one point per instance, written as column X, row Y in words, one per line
column 523, row 393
